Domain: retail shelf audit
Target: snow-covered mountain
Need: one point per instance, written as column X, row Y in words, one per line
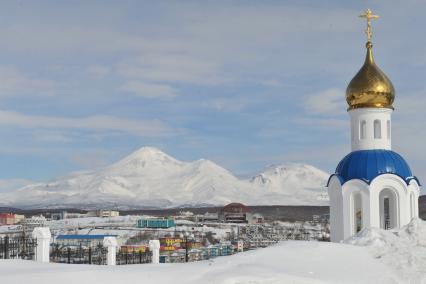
column 300, row 183
column 151, row 178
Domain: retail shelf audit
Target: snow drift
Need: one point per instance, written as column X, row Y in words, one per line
column 403, row 250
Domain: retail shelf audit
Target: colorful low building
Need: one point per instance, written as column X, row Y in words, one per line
column 7, row 219
column 134, row 248
column 156, row 223
column 11, row 219
column 171, row 244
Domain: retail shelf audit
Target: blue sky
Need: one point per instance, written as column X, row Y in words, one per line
column 243, row 83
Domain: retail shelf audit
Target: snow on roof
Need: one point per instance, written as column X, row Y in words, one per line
column 83, row 237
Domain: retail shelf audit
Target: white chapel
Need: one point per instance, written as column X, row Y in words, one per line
column 372, row 186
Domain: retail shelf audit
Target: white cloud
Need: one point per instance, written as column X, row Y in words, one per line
column 329, row 102
column 201, row 44
column 235, row 104
column 149, row 90
column 51, row 136
column 15, row 83
column 149, row 128
column 173, row 66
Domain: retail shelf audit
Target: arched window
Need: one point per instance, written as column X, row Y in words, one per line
column 377, row 129
column 362, row 130
column 388, row 126
column 389, row 209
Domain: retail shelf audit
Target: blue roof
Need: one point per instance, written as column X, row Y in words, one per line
column 368, row 164
column 83, row 237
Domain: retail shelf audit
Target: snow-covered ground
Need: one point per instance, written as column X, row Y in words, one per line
column 287, row 262
column 403, row 250
column 372, row 256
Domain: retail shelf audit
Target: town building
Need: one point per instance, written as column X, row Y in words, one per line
column 35, row 221
column 372, row 186
column 7, row 219
column 207, row 217
column 256, row 218
column 81, row 240
column 66, row 215
column 235, row 213
column 11, row 218
column 103, row 213
column 155, row 223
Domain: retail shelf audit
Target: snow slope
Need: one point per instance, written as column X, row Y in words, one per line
column 151, row 178
column 403, row 250
column 288, row 262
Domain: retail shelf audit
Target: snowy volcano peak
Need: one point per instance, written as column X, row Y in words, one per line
column 148, row 154
column 146, row 158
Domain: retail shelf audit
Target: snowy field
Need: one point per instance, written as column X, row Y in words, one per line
column 288, row 262
column 373, row 256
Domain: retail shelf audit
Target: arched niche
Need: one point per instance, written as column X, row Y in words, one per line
column 357, row 213
column 356, row 206
column 377, row 129
column 389, row 209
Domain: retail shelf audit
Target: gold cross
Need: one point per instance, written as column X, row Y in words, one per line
column 369, row 15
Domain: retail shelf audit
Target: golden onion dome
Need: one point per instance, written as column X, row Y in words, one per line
column 370, row 88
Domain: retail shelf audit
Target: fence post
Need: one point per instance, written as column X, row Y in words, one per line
column 154, row 246
column 111, row 244
column 6, row 247
column 68, row 255
column 90, row 255
column 42, row 235
column 240, row 246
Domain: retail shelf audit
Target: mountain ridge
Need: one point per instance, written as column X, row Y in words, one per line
column 150, row 177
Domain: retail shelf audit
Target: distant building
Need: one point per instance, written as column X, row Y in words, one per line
column 185, row 214
column 103, row 213
column 66, row 215
column 155, row 223
column 235, row 213
column 7, row 219
column 255, row 218
column 208, row 217
column 81, row 240
column 19, row 218
column 33, row 222
column 11, row 219
column 324, row 218
column 134, row 248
